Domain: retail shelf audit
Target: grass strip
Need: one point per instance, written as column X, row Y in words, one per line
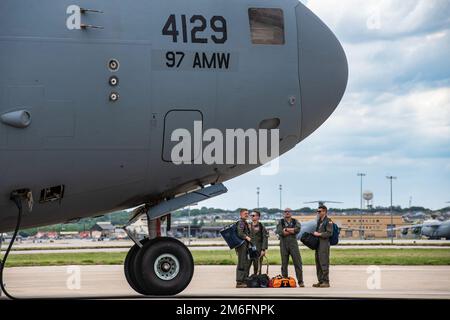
column 408, row 257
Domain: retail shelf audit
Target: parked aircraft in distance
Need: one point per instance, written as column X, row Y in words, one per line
column 322, row 202
column 432, row 229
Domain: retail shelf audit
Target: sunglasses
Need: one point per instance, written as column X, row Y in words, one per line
column 319, row 211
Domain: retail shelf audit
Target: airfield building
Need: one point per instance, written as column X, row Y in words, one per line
column 371, row 227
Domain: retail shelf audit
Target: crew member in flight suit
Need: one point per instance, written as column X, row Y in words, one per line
column 324, row 231
column 243, row 266
column 259, row 237
column 287, row 230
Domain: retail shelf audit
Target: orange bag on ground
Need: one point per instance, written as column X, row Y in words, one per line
column 281, row 282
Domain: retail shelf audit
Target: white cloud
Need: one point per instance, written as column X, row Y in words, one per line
column 388, row 65
column 411, row 125
column 365, row 20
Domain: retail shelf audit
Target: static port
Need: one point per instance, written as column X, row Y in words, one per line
column 113, row 81
column 114, row 96
column 113, row 65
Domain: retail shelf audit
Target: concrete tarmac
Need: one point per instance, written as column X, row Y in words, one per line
column 431, row 282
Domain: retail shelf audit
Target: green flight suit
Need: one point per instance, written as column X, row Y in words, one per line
column 322, row 255
column 260, row 239
column 243, row 265
column 289, row 247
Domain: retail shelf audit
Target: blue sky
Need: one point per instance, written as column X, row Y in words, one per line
column 393, row 120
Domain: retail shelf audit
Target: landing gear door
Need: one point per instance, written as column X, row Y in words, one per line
column 182, row 140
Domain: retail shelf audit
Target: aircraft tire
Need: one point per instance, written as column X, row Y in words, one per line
column 129, row 264
column 164, row 266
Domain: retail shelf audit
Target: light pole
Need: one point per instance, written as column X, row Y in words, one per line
column 189, row 222
column 257, row 197
column 189, row 225
column 281, row 188
column 360, row 174
column 392, row 217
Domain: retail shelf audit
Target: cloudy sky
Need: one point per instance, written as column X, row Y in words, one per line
column 393, row 120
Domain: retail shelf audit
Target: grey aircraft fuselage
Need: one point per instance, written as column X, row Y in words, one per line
column 307, row 226
column 432, row 229
column 88, row 98
column 436, row 230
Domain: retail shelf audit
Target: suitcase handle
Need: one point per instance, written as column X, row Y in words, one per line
column 267, row 265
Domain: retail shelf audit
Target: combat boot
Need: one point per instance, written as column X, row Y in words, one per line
column 241, row 285
column 324, row 285
column 316, row 285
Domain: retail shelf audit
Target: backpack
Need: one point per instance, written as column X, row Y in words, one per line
column 334, row 239
column 229, row 234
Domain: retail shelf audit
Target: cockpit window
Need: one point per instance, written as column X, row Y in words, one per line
column 266, row 25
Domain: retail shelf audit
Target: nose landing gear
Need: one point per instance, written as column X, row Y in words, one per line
column 158, row 265
column 163, row 266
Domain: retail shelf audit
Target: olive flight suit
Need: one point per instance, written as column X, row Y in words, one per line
column 322, row 255
column 243, row 265
column 289, row 247
column 260, row 238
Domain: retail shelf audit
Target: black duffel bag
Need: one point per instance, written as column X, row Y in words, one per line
column 260, row 280
column 310, row 240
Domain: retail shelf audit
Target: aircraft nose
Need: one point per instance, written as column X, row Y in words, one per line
column 323, row 70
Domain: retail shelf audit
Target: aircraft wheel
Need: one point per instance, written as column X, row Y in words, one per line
column 164, row 266
column 130, row 274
